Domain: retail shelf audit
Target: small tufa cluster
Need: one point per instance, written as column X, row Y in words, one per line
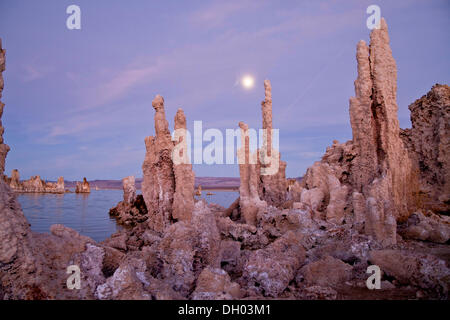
column 34, row 185
column 82, row 187
column 260, row 186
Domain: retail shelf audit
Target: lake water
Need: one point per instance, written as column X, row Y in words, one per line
column 87, row 213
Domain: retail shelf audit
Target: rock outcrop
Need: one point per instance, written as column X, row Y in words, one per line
column 129, row 189
column 167, row 187
column 371, row 180
column 35, row 184
column 428, row 143
column 83, row 187
column 132, row 210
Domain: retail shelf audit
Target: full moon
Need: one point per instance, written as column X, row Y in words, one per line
column 248, row 82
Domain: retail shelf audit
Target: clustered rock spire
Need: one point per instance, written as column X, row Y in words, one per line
column 167, row 187
column 273, row 183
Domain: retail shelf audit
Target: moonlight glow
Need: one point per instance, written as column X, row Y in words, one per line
column 248, row 82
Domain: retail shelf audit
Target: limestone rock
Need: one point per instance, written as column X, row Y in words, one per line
column 381, row 151
column 16, row 257
column 428, row 143
column 167, row 187
column 320, row 293
column 273, row 183
column 82, row 187
column 187, row 248
column 270, row 270
column 130, row 214
column 422, row 270
column 430, row 227
column 127, row 283
column 294, row 190
column 327, row 272
column 215, row 284
column 249, row 200
column 35, row 184
column 183, row 200
column 129, row 189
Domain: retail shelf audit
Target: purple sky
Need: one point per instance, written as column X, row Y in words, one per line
column 78, row 102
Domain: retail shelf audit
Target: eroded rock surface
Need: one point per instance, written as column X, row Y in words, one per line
column 428, row 143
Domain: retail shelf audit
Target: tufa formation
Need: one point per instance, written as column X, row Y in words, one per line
column 379, row 198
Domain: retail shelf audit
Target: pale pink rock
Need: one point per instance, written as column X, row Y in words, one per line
column 129, row 189
column 82, row 187
column 270, row 270
column 428, row 143
column 215, row 284
column 273, row 183
column 158, row 184
column 35, row 184
column 327, row 271
column 249, row 200
column 183, row 199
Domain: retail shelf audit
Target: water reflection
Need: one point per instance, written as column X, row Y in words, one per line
column 87, row 213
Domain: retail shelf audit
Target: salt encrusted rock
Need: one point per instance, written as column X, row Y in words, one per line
column 431, row 227
column 82, row 187
column 188, row 247
column 127, row 283
column 320, row 293
column 269, row 271
column 422, row 270
column 16, row 257
column 215, row 284
column 183, row 200
column 129, row 189
column 428, row 143
column 294, row 190
column 130, row 214
column 249, row 200
column 327, row 272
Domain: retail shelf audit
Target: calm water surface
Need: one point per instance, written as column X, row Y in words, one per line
column 87, row 213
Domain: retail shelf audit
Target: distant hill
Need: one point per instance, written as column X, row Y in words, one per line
column 228, row 183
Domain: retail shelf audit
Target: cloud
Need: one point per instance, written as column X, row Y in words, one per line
column 33, row 72
column 218, row 12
